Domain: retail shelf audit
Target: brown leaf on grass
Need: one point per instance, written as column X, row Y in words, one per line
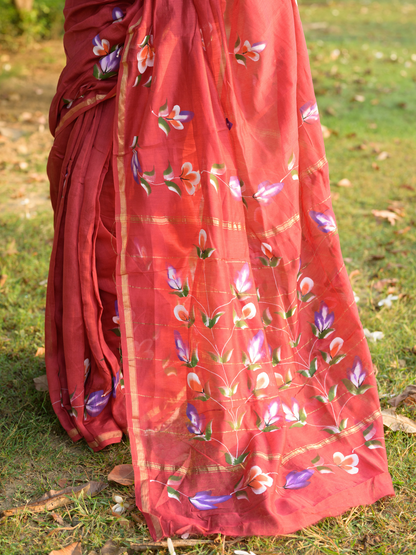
column 383, row 156
column 57, row 518
column 41, row 383
column 40, row 352
column 54, row 499
column 3, row 279
column 408, row 396
column 111, row 548
column 403, row 231
column 122, row 474
column 138, row 517
column 397, row 422
column 407, row 186
column 63, row 482
column 11, row 248
column 375, row 166
column 344, row 183
column 72, row 549
column 382, row 283
column 392, row 217
column 354, row 274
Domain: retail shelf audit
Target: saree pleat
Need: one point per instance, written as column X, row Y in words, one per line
column 197, row 293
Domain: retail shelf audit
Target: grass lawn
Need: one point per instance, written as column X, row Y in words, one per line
column 363, row 56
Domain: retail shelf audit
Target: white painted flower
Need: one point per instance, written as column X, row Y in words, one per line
column 388, row 301
column 374, row 335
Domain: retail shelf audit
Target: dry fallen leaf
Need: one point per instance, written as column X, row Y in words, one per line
column 72, row 549
column 122, row 474
column 383, row 156
column 40, row 352
column 386, row 214
column 54, row 499
column 403, row 231
column 354, row 273
column 63, row 482
column 381, row 283
column 3, row 279
column 111, row 548
column 57, row 518
column 359, row 98
column 408, row 396
column 41, row 383
column 344, row 183
column 397, row 422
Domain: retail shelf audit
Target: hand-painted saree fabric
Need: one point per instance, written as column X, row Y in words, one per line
column 197, row 294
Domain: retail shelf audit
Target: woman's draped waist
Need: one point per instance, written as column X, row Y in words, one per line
column 95, row 34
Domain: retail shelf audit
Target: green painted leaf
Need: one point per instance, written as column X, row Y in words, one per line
column 227, row 356
column 296, row 343
column 241, row 59
column 208, row 431
column 173, row 494
column 314, row 330
column 368, row 430
column 205, row 319
column 145, row 185
column 150, row 174
column 332, row 392
column 315, row 460
column 270, row 429
column 171, row 185
column 325, row 356
column 214, row 181
column 242, row 495
column 241, row 458
column 325, row 333
column 168, row 173
column 207, row 253
column 321, row 398
column 324, row 470
column 164, row 107
column 97, row 72
column 274, row 262
column 297, row 424
column 174, row 480
column 214, row 356
column 313, row 367
column 363, row 388
column 218, row 169
column 237, row 45
column 195, row 359
column 164, row 126
column 229, row 459
column 244, row 202
column 265, row 262
column 343, row 424
column 116, row 331
column 350, row 386
column 337, row 359
column 373, row 444
column 215, row 319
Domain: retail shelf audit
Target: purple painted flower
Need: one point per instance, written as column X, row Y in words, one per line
column 309, row 112
column 357, row 374
column 195, row 427
column 111, row 62
column 182, row 348
column 326, row 222
column 298, row 480
column 174, row 281
column 235, row 187
column 116, row 318
column 96, row 402
column 241, row 280
column 266, row 191
column 228, row 124
column 270, row 416
column 323, row 318
column 101, row 46
column 136, row 167
column 204, row 501
column 255, row 347
column 117, row 15
column 116, row 381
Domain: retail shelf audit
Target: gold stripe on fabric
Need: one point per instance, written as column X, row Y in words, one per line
column 72, row 433
column 278, row 229
column 332, row 439
column 109, row 435
column 208, row 469
column 129, row 334
column 315, row 167
column 216, row 222
column 78, row 107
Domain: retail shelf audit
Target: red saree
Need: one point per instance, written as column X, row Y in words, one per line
column 197, row 295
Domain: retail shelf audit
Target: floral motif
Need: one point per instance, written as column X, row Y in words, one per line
column 146, row 54
column 326, row 222
column 182, row 348
column 175, row 118
column 242, row 283
column 118, row 15
column 323, row 321
column 235, row 187
column 298, row 480
column 258, row 481
column 249, row 51
column 266, row 191
column 101, row 46
column 195, row 427
column 205, row 501
column 190, row 178
column 194, row 383
column 348, row 463
column 96, row 402
column 357, row 374
column 255, row 347
column 309, row 112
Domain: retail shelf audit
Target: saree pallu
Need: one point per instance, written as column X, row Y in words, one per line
column 197, row 296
